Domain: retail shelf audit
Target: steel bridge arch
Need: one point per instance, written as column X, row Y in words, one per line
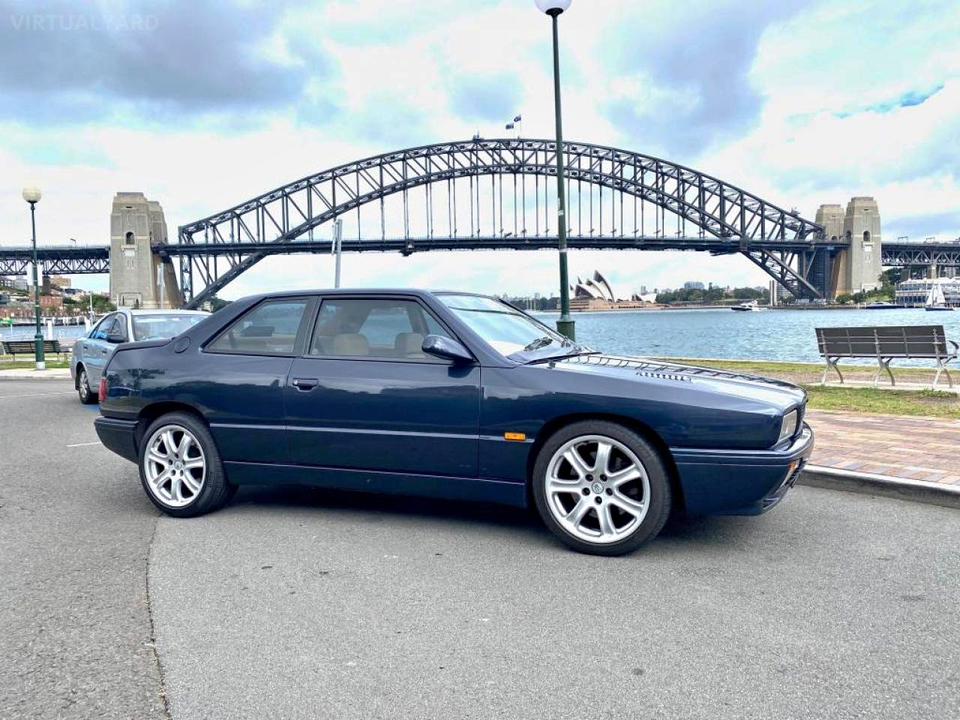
column 717, row 208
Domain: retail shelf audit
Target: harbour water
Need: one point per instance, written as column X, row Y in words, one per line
column 26, row 332
column 785, row 335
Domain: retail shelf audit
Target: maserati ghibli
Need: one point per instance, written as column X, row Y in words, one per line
column 451, row 395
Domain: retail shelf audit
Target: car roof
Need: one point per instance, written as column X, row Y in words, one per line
column 416, row 292
column 158, row 311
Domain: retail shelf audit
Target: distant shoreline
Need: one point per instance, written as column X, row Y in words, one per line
column 655, row 308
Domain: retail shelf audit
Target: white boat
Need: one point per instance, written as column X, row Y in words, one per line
column 749, row 306
column 936, row 301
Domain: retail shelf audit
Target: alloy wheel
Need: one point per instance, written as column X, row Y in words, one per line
column 175, row 466
column 597, row 489
column 84, row 386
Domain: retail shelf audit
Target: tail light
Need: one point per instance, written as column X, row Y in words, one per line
column 102, row 392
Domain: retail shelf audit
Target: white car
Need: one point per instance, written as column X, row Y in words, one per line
column 93, row 350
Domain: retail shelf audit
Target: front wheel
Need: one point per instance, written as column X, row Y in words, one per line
column 180, row 467
column 83, row 388
column 601, row 488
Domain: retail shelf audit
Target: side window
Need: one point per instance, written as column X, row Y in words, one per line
column 434, row 327
column 385, row 323
column 268, row 329
column 119, row 326
column 389, row 329
column 99, row 332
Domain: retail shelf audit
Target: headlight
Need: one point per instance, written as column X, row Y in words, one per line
column 788, row 426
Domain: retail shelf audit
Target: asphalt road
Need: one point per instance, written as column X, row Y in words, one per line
column 75, row 637
column 301, row 603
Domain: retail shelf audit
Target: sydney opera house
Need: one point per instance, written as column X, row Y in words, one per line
column 596, row 293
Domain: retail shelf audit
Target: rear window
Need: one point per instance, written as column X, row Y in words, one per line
column 161, row 327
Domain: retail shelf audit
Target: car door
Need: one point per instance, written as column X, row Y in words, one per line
column 244, row 370
column 119, row 332
column 96, row 349
column 365, row 397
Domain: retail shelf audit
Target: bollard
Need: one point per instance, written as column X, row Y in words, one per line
column 49, row 329
column 86, row 326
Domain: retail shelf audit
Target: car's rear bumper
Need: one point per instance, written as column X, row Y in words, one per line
column 740, row 482
column 120, row 436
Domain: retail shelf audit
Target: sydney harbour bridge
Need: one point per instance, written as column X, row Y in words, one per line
column 482, row 194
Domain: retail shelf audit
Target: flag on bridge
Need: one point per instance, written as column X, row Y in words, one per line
column 516, row 121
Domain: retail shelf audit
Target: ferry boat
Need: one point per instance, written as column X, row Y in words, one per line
column 748, row 306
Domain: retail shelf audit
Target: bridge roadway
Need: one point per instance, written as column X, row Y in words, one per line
column 95, row 259
column 56, row 259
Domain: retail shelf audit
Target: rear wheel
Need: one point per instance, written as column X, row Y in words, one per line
column 87, row 397
column 180, row 467
column 601, row 488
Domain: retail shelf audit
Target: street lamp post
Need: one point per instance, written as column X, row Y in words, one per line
column 32, row 196
column 565, row 325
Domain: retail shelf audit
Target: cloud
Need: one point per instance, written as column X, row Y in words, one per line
column 942, row 225
column 911, row 98
column 64, row 62
column 492, row 98
column 683, row 70
column 800, row 103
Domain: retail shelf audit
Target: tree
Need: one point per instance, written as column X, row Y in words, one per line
column 216, row 303
column 102, row 304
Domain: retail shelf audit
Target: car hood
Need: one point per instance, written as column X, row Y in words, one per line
column 644, row 370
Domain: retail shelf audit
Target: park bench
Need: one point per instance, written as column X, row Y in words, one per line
column 28, row 347
column 924, row 342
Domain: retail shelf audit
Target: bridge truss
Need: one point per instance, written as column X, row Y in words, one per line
column 497, row 194
column 903, row 254
column 56, row 260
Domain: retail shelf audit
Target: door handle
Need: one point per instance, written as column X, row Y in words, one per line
column 305, row 384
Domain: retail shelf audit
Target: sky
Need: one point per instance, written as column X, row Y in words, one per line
column 201, row 105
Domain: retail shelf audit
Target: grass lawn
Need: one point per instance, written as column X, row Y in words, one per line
column 7, row 363
column 928, row 403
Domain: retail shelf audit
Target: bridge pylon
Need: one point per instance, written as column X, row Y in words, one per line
column 857, row 265
column 136, row 225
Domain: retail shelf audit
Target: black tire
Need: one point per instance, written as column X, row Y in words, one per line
column 215, row 491
column 658, row 503
column 87, row 396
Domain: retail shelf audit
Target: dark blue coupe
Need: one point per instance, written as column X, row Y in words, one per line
column 448, row 395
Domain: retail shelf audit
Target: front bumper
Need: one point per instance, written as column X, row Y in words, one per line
column 740, row 482
column 120, row 436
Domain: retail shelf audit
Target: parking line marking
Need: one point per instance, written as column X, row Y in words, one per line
column 8, row 397
column 85, row 444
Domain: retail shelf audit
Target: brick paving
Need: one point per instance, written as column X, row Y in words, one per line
column 915, row 448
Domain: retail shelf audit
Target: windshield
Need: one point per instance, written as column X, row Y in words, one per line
column 505, row 328
column 161, row 327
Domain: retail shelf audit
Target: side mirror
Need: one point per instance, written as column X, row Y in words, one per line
column 116, row 337
column 447, row 348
